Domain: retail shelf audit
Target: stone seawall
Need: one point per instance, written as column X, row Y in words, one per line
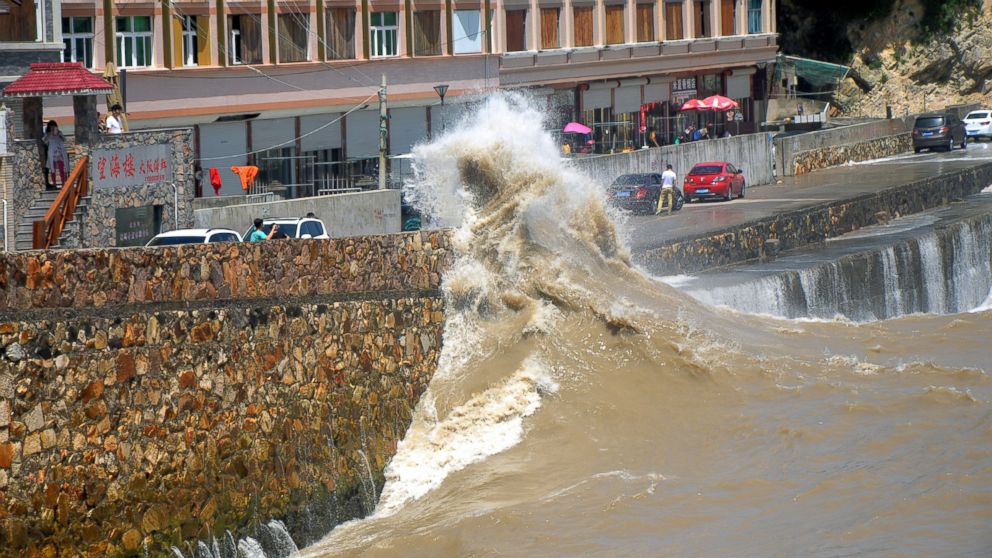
column 228, row 386
column 811, row 225
column 834, row 155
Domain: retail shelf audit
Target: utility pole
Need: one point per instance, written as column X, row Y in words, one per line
column 383, row 128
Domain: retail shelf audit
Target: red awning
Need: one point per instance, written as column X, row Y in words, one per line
column 48, row 79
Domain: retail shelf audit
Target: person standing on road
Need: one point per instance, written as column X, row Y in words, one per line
column 667, row 190
column 259, row 235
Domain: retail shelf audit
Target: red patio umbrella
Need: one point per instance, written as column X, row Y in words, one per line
column 693, row 104
column 719, row 102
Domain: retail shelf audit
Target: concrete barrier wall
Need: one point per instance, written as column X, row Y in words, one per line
column 788, row 148
column 811, row 225
column 751, row 152
column 354, row 214
column 808, row 161
column 215, row 388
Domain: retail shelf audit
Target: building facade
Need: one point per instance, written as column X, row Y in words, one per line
column 290, row 86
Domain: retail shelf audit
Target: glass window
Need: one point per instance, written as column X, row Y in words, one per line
column 549, row 28
column 294, row 30
column 467, row 31
column 382, row 34
column 516, row 30
column 614, row 25
column 340, row 33
column 224, row 237
column 583, row 25
column 77, row 36
column 134, row 41
column 245, row 43
column 190, row 50
column 703, row 21
column 427, row 33
column 674, row 26
column 645, row 23
column 754, row 16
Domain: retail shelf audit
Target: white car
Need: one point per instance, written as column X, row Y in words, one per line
column 291, row 227
column 194, row 236
column 978, row 123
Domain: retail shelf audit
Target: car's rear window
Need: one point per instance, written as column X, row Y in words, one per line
column 976, row 115
column 930, row 122
column 285, row 230
column 175, row 240
column 706, row 169
column 629, row 179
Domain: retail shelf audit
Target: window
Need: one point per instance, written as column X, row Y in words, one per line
column 467, row 31
column 190, row 47
column 754, row 16
column 645, row 23
column 549, row 28
column 516, row 30
column 427, row 33
column 18, row 21
column 340, row 33
column 382, row 35
column 134, row 41
column 674, row 26
column 583, row 25
column 728, row 17
column 703, row 21
column 614, row 25
column 294, row 30
column 77, row 35
column 245, row 44
column 223, row 237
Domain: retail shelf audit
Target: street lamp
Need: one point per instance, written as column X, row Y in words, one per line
column 441, row 90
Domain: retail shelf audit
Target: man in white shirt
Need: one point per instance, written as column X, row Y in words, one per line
column 667, row 190
column 114, row 121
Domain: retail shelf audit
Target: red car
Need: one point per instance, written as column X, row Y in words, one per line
column 714, row 179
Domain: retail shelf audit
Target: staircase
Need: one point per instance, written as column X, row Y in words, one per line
column 23, row 239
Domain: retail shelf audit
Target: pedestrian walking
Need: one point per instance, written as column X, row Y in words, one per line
column 58, row 157
column 667, row 190
column 259, row 235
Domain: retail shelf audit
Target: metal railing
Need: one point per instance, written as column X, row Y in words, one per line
column 45, row 232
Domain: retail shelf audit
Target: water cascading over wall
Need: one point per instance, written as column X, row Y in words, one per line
column 944, row 271
column 150, row 398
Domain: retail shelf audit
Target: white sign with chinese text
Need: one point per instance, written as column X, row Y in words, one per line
column 132, row 166
column 684, row 88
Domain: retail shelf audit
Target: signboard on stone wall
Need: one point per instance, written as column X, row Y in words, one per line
column 132, row 166
column 137, row 225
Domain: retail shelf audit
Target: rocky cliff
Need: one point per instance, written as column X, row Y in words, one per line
column 905, row 61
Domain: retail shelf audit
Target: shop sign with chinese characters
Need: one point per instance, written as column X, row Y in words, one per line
column 132, row 166
column 684, row 88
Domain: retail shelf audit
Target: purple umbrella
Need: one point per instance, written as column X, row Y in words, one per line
column 577, row 128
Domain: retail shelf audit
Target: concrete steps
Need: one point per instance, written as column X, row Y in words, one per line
column 23, row 236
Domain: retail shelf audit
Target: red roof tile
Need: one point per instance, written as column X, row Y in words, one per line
column 46, row 79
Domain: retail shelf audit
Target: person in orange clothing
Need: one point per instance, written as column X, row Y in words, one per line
column 247, row 175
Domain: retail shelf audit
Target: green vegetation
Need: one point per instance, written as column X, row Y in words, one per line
column 943, row 16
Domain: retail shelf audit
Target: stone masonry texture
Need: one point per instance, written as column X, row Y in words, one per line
column 866, row 150
column 154, row 397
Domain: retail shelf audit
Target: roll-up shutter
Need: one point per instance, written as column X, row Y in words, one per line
column 363, row 134
column 628, row 99
column 327, row 137
column 407, row 126
column 596, row 98
column 656, row 92
column 739, row 87
column 275, row 133
column 222, row 146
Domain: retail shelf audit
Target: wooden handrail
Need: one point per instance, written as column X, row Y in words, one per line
column 46, row 231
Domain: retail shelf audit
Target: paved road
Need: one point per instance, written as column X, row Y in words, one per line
column 849, row 181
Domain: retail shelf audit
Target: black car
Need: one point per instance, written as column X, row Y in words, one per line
column 639, row 192
column 939, row 131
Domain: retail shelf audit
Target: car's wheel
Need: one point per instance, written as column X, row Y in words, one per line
column 730, row 192
column 743, row 188
column 678, row 202
column 964, row 142
column 950, row 144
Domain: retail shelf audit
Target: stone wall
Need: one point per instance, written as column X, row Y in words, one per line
column 764, row 238
column 831, row 156
column 788, row 147
column 219, row 387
